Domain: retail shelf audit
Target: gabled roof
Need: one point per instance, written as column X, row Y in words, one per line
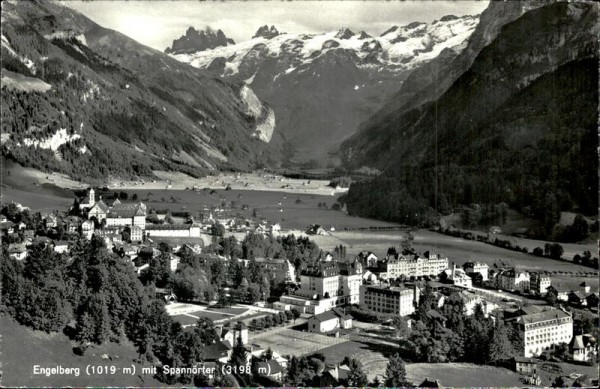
column 272, row 367
column 14, row 248
column 432, row 313
column 577, row 294
column 342, row 314
column 427, row 383
column 101, row 205
column 525, row 360
column 325, row 316
column 335, row 313
column 127, row 210
column 577, row 343
column 543, row 316
column 216, row 350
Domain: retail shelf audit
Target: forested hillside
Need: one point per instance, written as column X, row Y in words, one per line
column 515, row 128
column 92, row 103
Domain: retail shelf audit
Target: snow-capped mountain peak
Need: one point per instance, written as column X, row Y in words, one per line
column 397, row 49
column 266, row 32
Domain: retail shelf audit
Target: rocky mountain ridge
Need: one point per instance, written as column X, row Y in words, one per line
column 321, row 86
column 193, row 41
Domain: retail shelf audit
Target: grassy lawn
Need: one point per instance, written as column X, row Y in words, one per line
column 373, row 356
column 185, row 320
column 462, row 375
column 37, row 201
column 230, row 310
column 550, row 370
column 22, row 348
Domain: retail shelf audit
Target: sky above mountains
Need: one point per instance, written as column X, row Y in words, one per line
column 157, row 23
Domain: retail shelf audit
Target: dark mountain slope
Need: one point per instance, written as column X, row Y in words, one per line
column 111, row 107
column 432, row 79
column 518, row 127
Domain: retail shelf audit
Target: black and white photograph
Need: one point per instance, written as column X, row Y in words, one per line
column 323, row 194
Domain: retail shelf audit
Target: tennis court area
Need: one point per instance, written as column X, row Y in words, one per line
column 292, row 342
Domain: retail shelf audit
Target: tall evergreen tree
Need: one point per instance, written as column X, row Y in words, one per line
column 395, row 372
column 356, row 376
column 500, row 347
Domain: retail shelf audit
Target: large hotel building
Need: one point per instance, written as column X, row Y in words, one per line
column 541, row 330
column 389, row 300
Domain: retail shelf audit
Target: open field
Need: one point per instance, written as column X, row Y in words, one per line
column 276, row 207
column 456, row 249
column 462, row 375
column 550, row 370
column 42, row 202
column 292, row 342
column 22, row 348
column 252, row 181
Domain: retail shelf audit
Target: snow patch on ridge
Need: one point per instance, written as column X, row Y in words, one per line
column 54, row 142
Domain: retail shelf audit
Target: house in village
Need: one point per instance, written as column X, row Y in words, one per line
column 275, row 228
column 270, row 369
column 61, row 246
column 51, row 221
column 583, row 348
column 427, row 383
column 472, row 268
column 525, row 365
column 17, row 251
column 87, row 229
column 189, row 249
column 7, row 227
column 592, row 300
column 330, row 322
column 334, row 376
column 539, row 284
column 368, row 258
column 136, row 234
column 513, row 280
column 458, row 277
column 72, row 224
column 230, row 333
column 562, row 294
column 577, row 298
column 174, row 261
column 28, row 235
column 165, row 294
column 315, row 229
